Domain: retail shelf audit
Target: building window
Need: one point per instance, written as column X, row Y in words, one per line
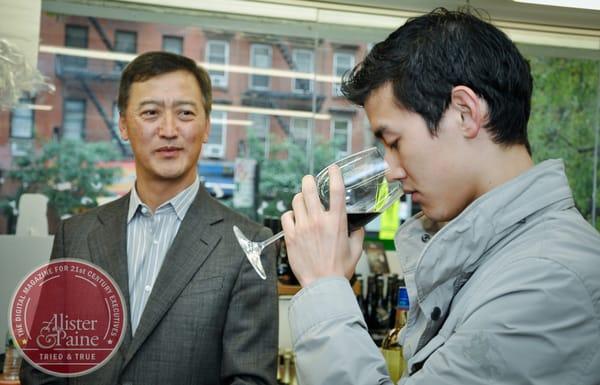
column 299, row 130
column 125, row 41
column 22, row 120
column 173, row 44
column 261, row 56
column 73, row 119
column 341, row 132
column 76, row 36
column 215, row 147
column 260, row 130
column 217, row 52
column 305, row 62
column 342, row 62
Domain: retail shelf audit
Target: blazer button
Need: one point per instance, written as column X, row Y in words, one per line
column 436, row 313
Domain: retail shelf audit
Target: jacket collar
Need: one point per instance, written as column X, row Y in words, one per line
column 432, row 268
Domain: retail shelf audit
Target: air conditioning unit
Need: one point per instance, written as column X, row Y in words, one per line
column 213, row 151
column 218, row 80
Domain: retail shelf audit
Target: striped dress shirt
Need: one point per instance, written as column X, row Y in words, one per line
column 149, row 236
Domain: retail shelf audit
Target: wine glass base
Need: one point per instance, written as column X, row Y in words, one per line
column 252, row 251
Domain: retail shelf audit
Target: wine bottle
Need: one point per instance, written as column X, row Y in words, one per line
column 370, row 303
column 359, row 296
column 393, row 294
column 284, row 271
column 381, row 314
column 287, row 361
column 389, row 303
column 391, row 347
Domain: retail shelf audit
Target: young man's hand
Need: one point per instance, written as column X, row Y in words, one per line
column 317, row 240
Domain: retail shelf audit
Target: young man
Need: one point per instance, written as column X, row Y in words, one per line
column 198, row 312
column 508, row 291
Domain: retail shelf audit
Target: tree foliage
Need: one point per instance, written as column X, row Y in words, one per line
column 282, row 170
column 68, row 172
column 562, row 123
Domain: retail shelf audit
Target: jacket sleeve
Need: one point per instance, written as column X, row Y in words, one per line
column 532, row 321
column 330, row 337
column 28, row 374
column 252, row 326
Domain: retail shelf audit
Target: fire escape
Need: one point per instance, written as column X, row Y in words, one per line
column 92, row 77
column 301, row 101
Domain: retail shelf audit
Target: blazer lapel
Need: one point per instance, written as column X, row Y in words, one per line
column 108, row 249
column 192, row 245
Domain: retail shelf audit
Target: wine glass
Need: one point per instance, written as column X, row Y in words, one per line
column 368, row 194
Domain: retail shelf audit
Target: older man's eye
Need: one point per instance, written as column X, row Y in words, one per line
column 186, row 114
column 149, row 113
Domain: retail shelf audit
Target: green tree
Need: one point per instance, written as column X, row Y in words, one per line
column 70, row 173
column 282, row 171
column 562, row 122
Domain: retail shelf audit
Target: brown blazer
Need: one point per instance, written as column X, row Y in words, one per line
column 210, row 319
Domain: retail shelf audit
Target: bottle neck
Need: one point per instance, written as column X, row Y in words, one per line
column 401, row 315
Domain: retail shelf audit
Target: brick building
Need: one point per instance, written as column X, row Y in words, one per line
column 258, row 94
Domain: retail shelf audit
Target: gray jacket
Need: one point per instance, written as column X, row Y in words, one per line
column 506, row 293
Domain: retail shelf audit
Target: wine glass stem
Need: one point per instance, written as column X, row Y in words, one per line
column 272, row 239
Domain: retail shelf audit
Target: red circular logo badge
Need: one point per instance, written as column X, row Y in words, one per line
column 68, row 317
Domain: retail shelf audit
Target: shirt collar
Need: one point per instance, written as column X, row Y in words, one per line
column 180, row 202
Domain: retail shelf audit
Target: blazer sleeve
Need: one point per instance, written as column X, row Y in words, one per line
column 250, row 336
column 29, row 375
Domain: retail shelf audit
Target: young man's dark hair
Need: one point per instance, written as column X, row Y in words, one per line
column 431, row 54
column 151, row 64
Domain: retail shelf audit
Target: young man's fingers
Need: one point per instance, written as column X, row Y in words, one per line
column 287, row 222
column 299, row 208
column 337, row 193
column 311, row 195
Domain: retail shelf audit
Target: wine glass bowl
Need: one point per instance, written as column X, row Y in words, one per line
column 367, row 194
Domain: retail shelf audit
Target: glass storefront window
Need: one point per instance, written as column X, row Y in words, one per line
column 276, row 92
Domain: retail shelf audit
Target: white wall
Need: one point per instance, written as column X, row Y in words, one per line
column 19, row 255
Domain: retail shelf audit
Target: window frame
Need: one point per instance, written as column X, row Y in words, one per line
column 253, row 48
column 207, row 149
column 295, row 52
column 335, row 87
column 31, row 119
column 223, row 75
column 128, row 32
column 266, row 140
column 174, row 38
column 83, row 120
column 333, row 130
column 71, row 61
column 293, row 127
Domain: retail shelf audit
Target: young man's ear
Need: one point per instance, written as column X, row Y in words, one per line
column 123, row 127
column 472, row 109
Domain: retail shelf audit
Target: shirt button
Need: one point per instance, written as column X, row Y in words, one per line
column 425, row 237
column 436, row 313
column 155, row 241
column 148, row 288
column 144, row 210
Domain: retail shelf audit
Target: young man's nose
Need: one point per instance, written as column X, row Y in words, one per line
column 396, row 170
